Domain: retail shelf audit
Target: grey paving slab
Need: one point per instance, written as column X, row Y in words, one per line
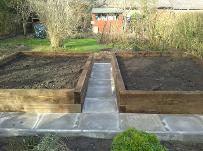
column 19, row 120
column 98, row 92
column 102, row 68
column 145, row 122
column 201, row 116
column 99, row 83
column 101, row 75
column 100, row 107
column 98, row 121
column 58, row 121
column 101, row 99
column 182, row 122
column 102, row 65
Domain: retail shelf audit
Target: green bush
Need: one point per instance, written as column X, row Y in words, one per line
column 133, row 140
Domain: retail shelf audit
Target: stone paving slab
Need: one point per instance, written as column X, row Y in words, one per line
column 100, row 107
column 182, row 122
column 99, row 83
column 102, row 65
column 97, row 121
column 99, row 125
column 100, row 75
column 103, row 68
column 58, row 121
column 145, row 122
column 101, row 99
column 19, row 120
column 201, row 116
column 99, row 92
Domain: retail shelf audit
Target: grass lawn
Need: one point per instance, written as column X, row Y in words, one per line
column 32, row 44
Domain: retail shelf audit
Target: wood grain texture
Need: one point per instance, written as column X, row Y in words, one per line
column 82, row 84
column 27, row 96
column 41, row 108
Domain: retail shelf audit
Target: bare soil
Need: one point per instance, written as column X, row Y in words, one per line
column 183, row 146
column 161, row 73
column 88, row 144
column 92, row 144
column 26, row 72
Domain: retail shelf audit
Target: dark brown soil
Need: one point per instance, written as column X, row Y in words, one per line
column 41, row 72
column 183, row 146
column 161, row 73
column 88, row 144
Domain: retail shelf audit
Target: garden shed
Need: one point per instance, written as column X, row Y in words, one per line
column 107, row 19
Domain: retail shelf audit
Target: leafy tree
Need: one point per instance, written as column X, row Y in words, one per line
column 61, row 17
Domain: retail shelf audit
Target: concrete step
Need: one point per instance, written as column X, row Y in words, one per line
column 102, row 65
column 99, row 92
column 99, row 83
column 182, row 123
column 101, row 99
column 100, row 107
column 101, row 75
column 98, row 121
column 102, row 125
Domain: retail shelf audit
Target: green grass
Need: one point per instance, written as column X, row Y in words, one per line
column 70, row 45
column 83, row 45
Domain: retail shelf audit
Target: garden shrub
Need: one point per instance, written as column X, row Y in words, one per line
column 22, row 143
column 51, row 143
column 48, row 142
column 133, row 140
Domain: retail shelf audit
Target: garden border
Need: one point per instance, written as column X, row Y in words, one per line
column 164, row 102
column 46, row 100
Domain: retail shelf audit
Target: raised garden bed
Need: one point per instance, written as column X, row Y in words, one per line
column 44, row 82
column 154, row 82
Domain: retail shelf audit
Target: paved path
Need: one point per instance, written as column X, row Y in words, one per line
column 100, row 96
column 100, row 117
column 102, row 125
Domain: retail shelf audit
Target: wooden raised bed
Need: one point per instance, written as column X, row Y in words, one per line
column 46, row 100
column 163, row 102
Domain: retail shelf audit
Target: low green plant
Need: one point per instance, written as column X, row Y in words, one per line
column 22, row 143
column 51, row 143
column 133, row 140
column 48, row 142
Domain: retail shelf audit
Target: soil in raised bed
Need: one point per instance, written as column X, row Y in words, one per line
column 26, row 72
column 161, row 73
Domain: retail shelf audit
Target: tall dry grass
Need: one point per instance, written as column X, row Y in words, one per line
column 161, row 30
column 182, row 31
